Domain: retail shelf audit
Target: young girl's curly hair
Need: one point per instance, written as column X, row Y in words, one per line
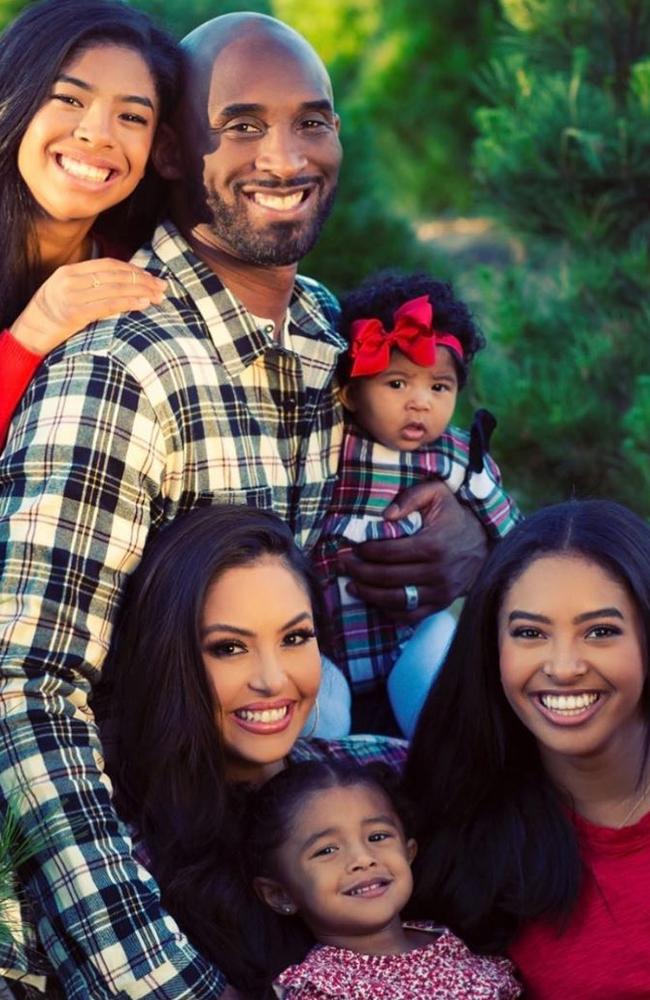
column 381, row 294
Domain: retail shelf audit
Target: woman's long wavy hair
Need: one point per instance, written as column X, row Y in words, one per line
column 33, row 50
column 496, row 845
column 158, row 716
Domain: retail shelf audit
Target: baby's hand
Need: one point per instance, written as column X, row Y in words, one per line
column 78, row 294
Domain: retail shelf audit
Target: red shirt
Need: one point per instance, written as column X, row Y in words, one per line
column 17, row 367
column 604, row 953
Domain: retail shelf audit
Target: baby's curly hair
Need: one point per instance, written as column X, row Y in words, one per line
column 381, row 294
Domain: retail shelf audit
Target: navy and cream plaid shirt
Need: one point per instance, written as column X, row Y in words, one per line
column 124, row 428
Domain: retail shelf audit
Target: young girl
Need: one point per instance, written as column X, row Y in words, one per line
column 534, row 823
column 328, row 845
column 83, row 86
column 411, row 344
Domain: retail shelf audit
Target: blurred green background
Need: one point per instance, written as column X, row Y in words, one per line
column 505, row 146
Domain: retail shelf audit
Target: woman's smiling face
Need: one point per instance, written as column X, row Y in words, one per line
column 263, row 663
column 87, row 147
column 572, row 657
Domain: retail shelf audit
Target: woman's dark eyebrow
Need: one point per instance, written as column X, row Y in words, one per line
column 129, row 98
column 599, row 613
column 223, row 627
column 529, row 615
column 584, row 617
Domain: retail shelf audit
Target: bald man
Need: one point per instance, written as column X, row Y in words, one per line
column 222, row 393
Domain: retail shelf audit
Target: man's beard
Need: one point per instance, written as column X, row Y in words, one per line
column 278, row 244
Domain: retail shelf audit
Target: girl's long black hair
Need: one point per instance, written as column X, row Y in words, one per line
column 33, row 50
column 163, row 746
column 496, row 845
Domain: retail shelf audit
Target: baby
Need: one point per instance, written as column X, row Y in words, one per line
column 411, row 344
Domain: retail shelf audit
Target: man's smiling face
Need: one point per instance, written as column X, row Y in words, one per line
column 271, row 155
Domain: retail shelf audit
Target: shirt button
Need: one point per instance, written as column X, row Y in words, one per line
column 269, row 329
column 290, row 403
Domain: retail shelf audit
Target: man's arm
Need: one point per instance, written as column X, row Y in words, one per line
column 78, row 481
column 442, row 559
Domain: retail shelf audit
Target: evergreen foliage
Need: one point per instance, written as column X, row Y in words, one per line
column 563, row 156
column 406, row 70
column 14, row 852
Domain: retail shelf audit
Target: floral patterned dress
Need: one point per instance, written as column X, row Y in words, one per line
column 445, row 969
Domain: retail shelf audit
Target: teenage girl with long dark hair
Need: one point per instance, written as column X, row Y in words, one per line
column 529, row 766
column 84, row 85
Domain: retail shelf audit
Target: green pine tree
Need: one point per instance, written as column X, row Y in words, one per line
column 563, row 156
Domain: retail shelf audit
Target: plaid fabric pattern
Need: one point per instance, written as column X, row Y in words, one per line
column 364, row 643
column 124, row 428
column 359, row 750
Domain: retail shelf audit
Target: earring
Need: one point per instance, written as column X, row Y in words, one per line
column 287, row 908
column 314, row 725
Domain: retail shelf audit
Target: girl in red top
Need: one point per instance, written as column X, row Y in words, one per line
column 329, row 846
column 84, row 85
column 529, row 767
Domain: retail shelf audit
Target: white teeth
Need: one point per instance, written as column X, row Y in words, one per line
column 267, row 715
column 281, row 203
column 568, row 704
column 83, row 170
column 362, row 890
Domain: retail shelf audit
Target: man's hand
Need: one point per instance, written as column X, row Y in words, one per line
column 441, row 560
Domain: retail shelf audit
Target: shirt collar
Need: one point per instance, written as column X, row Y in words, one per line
column 238, row 336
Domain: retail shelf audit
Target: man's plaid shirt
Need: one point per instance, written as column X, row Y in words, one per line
column 364, row 643
column 124, row 428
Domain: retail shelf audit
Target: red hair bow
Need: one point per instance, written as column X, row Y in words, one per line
column 412, row 334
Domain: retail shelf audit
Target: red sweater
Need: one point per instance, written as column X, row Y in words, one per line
column 17, row 367
column 604, row 953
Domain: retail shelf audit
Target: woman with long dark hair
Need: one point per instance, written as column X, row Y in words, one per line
column 83, row 87
column 213, row 674
column 529, row 767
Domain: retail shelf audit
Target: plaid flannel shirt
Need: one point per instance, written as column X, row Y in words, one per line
column 124, row 428
column 364, row 642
